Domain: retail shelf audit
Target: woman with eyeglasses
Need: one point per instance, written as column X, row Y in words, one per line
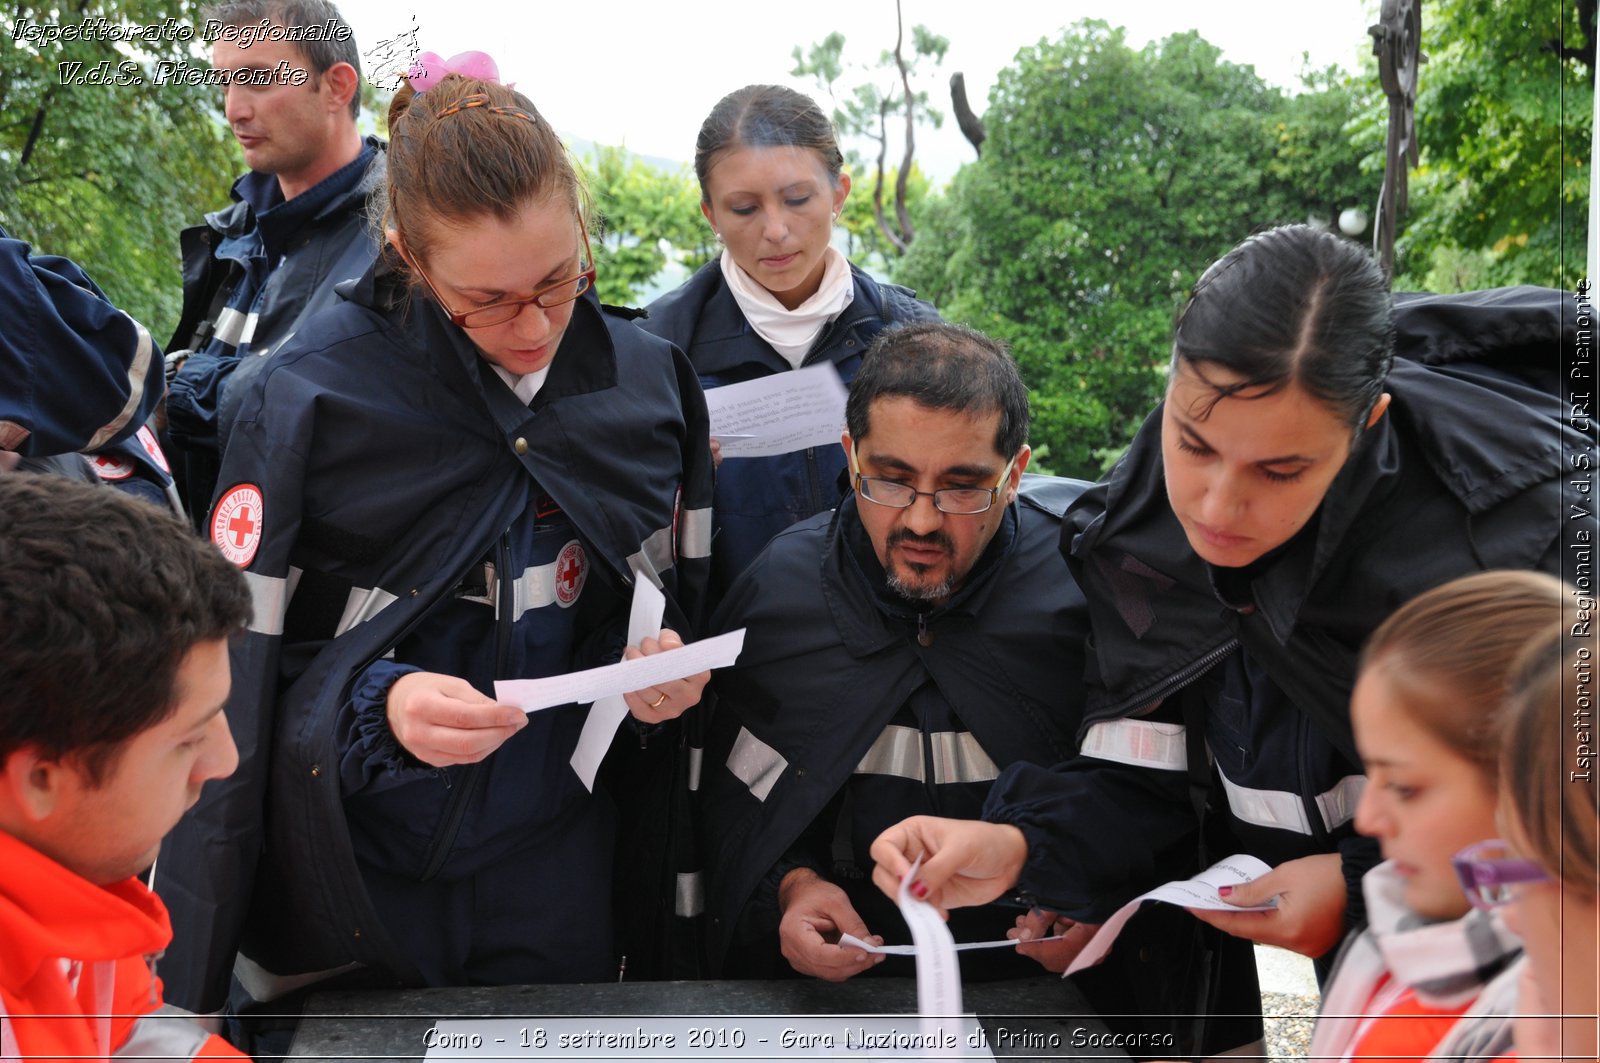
column 1430, row 976
column 454, row 478
column 1548, row 869
column 780, row 297
column 1325, row 452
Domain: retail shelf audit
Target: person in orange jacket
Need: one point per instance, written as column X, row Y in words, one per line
column 113, row 676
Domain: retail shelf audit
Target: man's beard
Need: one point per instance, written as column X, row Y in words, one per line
column 920, row 592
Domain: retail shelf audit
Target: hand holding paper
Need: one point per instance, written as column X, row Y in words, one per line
column 669, row 698
column 1298, row 905
column 1197, row 894
column 814, row 910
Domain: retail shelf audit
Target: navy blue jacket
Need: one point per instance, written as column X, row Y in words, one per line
column 846, row 694
column 76, row 373
column 758, row 497
column 376, row 464
column 1462, row 474
column 337, row 243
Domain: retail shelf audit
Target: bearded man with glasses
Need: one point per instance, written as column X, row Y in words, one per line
column 899, row 652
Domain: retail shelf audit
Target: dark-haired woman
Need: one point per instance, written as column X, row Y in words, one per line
column 779, row 297
column 1298, row 484
column 454, row 478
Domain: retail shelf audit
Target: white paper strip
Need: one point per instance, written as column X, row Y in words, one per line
column 938, row 973
column 960, row 946
column 530, row 695
column 607, row 714
column 1197, row 892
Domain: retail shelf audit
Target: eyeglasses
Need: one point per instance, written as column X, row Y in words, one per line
column 957, row 501
column 1488, row 872
column 551, row 295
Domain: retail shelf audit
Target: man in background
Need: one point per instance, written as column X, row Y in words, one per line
column 255, row 270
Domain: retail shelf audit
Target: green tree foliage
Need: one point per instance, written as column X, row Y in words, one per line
column 1504, row 115
column 640, row 207
column 107, row 174
column 1110, row 178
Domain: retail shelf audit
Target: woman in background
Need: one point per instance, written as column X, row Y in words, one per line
column 780, row 297
column 1551, row 816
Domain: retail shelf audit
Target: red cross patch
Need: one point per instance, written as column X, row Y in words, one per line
column 572, row 568
column 147, row 440
column 236, row 524
column 111, row 469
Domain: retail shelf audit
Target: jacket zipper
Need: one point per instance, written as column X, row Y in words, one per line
column 461, row 795
column 1165, row 688
column 1307, row 799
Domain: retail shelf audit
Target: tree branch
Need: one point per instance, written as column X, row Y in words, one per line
column 902, row 215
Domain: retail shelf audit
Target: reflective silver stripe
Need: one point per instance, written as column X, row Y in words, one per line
column 1266, row 808
column 534, row 589
column 696, row 757
column 235, row 327
column 270, row 597
column 654, row 555
column 136, row 374
column 1338, row 804
column 694, row 533
column 12, row 435
column 1142, row 743
column 167, row 1033
column 1284, row 810
column 897, row 751
column 363, row 605
column 264, row 986
column 691, row 895
column 957, row 757
column 755, row 764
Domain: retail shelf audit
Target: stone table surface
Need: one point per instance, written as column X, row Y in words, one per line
column 1042, row 1018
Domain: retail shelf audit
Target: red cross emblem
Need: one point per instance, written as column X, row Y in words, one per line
column 572, row 568
column 147, row 439
column 112, row 469
column 236, row 524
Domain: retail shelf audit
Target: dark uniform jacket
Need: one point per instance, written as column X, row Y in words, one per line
column 76, row 373
column 833, row 662
column 758, row 497
column 233, row 320
column 374, row 469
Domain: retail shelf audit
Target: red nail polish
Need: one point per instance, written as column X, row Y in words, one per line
column 1223, row 891
column 919, row 890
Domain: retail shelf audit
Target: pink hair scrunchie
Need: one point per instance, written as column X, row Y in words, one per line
column 428, row 69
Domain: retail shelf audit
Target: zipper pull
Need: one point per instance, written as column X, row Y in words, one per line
column 924, row 636
column 622, row 968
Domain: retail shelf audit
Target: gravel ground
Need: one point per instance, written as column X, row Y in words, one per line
column 1288, row 1019
column 1288, row 1003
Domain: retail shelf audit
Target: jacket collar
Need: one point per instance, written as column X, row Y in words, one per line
column 704, row 309
column 868, row 615
column 48, row 912
column 346, row 189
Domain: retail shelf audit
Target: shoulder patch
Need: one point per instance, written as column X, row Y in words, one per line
column 111, row 469
column 572, row 569
column 236, row 523
column 147, row 440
